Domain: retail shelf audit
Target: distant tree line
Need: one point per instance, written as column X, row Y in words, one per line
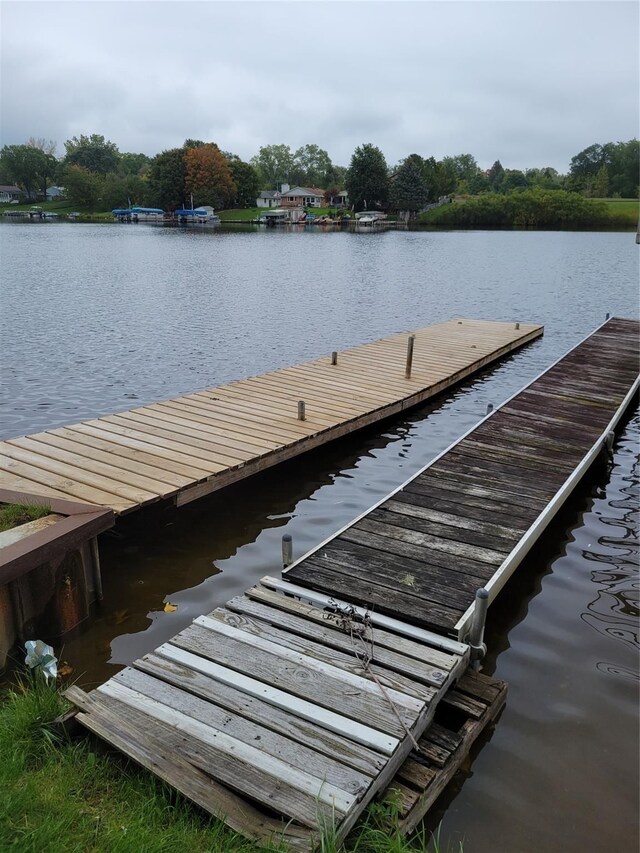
column 97, row 176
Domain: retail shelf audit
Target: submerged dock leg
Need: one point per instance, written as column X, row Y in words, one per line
column 287, row 550
column 476, row 634
column 97, row 573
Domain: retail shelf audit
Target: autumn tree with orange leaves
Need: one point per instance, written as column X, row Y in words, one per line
column 208, row 176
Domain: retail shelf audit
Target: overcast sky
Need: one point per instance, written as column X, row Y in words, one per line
column 528, row 83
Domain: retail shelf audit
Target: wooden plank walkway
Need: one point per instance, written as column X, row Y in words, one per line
column 468, row 519
column 185, row 448
column 277, row 716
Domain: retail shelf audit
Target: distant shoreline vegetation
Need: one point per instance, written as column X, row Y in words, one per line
column 532, row 209
column 546, row 209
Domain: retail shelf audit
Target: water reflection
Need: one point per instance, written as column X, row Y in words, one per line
column 560, row 772
column 615, row 610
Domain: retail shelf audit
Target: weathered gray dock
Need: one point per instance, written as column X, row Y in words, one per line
column 470, row 516
column 270, row 704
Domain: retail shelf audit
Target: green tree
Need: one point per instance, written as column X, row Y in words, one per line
column 312, row 167
column 440, row 177
column 82, row 187
column 246, row 180
column 495, row 176
column 28, row 167
column 133, row 164
column 166, row 179
column 624, row 168
column 464, row 167
column 274, row 165
column 601, row 183
column 93, row 152
column 409, row 191
column 546, row 178
column 208, row 177
column 122, row 190
column 49, row 166
column 513, row 179
column 367, row 180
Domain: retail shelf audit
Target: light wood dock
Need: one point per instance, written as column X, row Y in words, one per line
column 270, row 707
column 188, row 447
column 469, row 517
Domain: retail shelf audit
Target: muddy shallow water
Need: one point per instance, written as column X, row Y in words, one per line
column 102, row 318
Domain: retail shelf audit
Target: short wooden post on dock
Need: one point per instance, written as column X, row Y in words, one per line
column 334, row 358
column 410, row 343
column 489, row 407
column 607, row 316
column 517, row 326
column 301, row 410
column 287, row 550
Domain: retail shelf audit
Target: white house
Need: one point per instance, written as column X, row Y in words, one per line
column 8, row 193
column 55, row 192
column 268, row 198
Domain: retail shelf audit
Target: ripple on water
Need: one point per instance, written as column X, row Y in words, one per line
column 568, row 739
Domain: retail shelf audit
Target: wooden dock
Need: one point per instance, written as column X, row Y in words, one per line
column 185, row 448
column 286, row 711
column 469, row 517
column 281, row 718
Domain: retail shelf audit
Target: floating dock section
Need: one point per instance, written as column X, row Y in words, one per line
column 469, row 517
column 271, row 705
column 186, row 448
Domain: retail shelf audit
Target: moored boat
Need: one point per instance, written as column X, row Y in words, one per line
column 196, row 216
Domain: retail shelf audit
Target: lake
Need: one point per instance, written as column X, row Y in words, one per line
column 99, row 318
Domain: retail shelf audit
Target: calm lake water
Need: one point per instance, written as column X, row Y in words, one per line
column 99, row 318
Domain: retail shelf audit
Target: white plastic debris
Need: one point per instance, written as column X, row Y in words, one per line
column 40, row 657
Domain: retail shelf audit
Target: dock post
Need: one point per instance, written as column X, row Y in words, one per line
column 489, row 407
column 97, row 574
column 517, row 326
column 287, row 550
column 410, row 343
column 476, row 634
column 607, row 316
column 334, row 358
column 301, row 410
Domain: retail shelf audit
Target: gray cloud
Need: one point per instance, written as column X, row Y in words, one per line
column 529, row 83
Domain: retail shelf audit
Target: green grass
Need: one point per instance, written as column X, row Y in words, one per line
column 624, row 208
column 241, row 214
column 62, row 207
column 12, row 515
column 60, row 796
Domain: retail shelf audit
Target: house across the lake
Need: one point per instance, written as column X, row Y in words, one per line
column 9, row 193
column 268, row 198
column 302, row 197
column 55, row 193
